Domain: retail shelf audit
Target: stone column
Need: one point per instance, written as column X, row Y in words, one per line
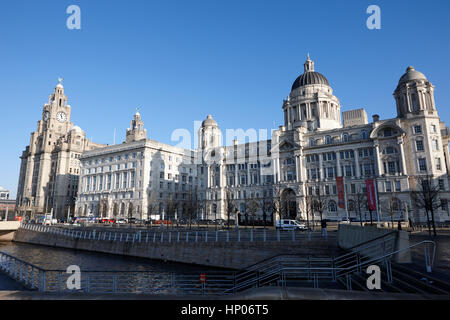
column 402, row 153
column 378, row 160
column 320, row 167
column 297, row 168
column 278, row 170
column 300, row 168
column 338, row 164
column 358, row 170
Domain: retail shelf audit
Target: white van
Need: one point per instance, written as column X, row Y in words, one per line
column 290, row 225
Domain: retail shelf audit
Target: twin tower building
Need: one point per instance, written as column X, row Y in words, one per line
column 63, row 171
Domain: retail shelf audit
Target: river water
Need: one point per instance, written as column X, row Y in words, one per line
column 60, row 259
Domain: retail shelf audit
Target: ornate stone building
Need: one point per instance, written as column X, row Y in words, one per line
column 50, row 166
column 303, row 158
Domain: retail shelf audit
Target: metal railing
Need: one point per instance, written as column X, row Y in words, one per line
column 154, row 236
column 279, row 270
column 140, row 282
column 29, row 275
column 289, row 268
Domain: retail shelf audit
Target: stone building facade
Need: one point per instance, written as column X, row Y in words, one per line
column 303, row 158
column 50, row 166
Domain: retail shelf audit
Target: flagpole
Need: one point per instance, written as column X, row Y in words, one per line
column 376, row 202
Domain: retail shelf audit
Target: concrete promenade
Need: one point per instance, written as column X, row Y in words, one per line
column 265, row 293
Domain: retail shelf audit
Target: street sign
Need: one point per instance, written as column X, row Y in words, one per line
column 203, row 277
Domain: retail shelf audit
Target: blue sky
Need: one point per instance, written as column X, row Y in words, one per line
column 182, row 60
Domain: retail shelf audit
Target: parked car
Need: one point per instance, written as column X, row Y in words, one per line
column 121, row 221
column 131, row 220
column 290, row 225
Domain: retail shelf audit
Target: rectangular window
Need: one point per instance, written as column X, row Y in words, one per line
column 125, row 176
column 391, row 167
column 444, row 204
column 348, row 171
column 417, row 129
column 441, row 184
column 419, row 145
column 398, row 186
column 438, row 164
column 330, row 172
column 423, row 164
column 388, row 186
column 435, row 145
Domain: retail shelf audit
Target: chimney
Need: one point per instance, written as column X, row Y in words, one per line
column 376, row 118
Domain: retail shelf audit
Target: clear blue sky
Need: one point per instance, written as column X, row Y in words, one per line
column 181, row 60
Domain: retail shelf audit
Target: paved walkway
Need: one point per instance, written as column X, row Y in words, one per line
column 267, row 293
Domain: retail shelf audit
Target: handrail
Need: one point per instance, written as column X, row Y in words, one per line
column 24, row 262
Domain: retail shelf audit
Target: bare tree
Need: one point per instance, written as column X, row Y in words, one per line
column 309, row 209
column 172, row 207
column 391, row 207
column 115, row 210
column 190, row 207
column 267, row 209
column 252, row 205
column 130, row 212
column 359, row 203
column 152, row 205
column 319, row 202
column 103, row 207
column 426, row 196
column 275, row 205
column 230, row 207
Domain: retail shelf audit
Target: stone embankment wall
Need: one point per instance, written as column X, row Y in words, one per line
column 233, row 255
column 350, row 236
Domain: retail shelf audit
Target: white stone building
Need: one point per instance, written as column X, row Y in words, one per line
column 314, row 146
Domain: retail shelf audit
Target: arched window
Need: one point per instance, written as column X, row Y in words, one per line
column 328, row 139
column 312, row 142
column 364, row 135
column 345, row 137
column 332, row 206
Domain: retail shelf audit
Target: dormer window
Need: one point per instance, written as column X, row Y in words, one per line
column 328, row 139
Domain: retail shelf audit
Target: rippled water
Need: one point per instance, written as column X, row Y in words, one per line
column 60, row 258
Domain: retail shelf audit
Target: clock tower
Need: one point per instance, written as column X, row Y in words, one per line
column 56, row 113
column 49, row 170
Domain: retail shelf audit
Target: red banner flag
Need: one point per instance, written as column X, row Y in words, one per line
column 372, row 201
column 341, row 192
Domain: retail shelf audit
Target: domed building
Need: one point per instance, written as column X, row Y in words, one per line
column 322, row 163
column 311, row 103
